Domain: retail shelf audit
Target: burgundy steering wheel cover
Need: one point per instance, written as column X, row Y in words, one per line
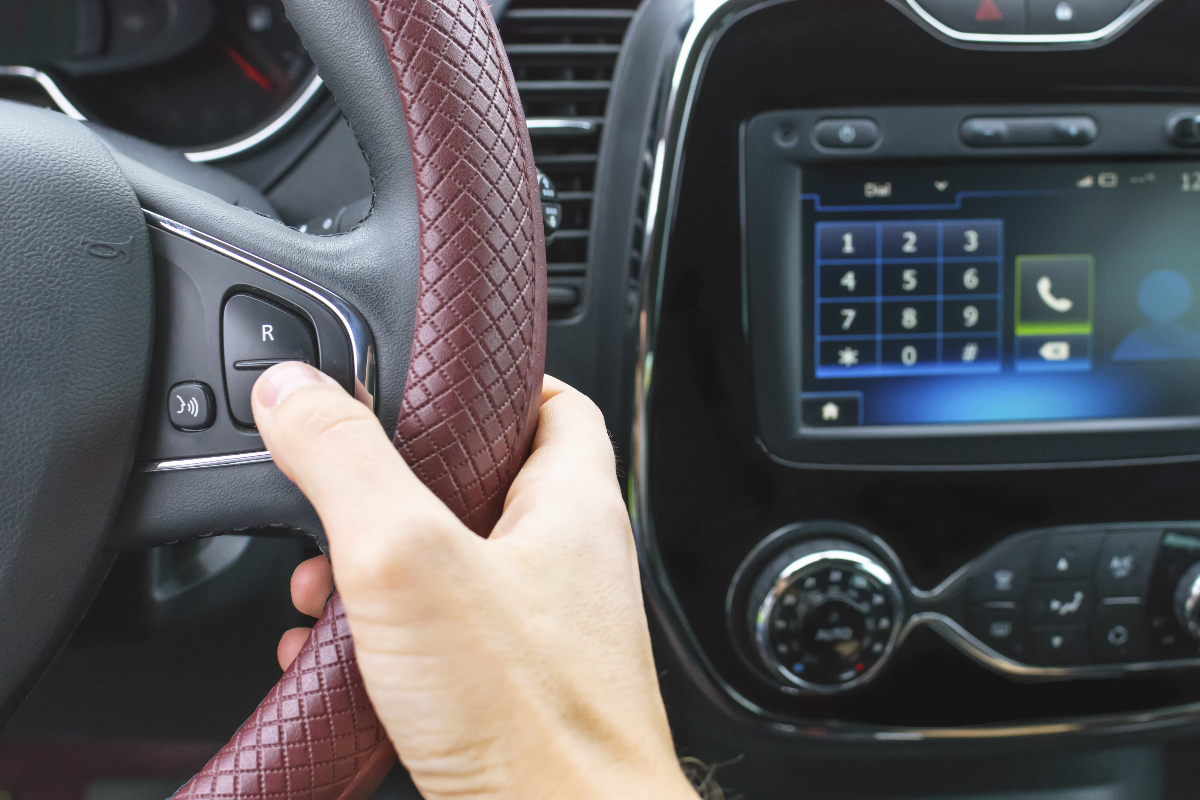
column 473, row 389
column 475, row 377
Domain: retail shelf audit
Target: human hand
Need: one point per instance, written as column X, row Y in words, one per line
column 517, row 666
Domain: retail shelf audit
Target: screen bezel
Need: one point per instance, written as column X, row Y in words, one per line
column 775, row 148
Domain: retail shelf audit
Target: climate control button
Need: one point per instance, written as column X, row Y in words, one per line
column 827, row 616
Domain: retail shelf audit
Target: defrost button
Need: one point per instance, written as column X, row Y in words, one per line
column 1001, row 629
column 1005, row 573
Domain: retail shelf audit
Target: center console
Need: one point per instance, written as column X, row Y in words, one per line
column 820, row 607
column 918, row 445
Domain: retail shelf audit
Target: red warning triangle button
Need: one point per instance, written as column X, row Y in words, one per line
column 988, row 11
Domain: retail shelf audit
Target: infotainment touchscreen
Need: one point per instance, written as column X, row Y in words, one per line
column 1000, row 293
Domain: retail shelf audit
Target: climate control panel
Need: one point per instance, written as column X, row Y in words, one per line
column 820, row 607
column 826, row 615
column 1081, row 597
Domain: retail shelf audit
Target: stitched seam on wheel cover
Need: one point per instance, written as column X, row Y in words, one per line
column 465, row 422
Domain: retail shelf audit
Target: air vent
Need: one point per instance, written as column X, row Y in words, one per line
column 563, row 58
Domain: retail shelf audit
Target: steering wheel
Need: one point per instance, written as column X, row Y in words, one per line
column 130, row 326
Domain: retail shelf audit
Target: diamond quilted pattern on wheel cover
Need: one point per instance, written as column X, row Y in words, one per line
column 474, row 381
column 472, row 393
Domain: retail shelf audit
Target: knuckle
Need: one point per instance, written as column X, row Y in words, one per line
column 402, row 551
column 329, row 415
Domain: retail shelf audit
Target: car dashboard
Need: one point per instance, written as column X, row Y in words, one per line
column 889, row 306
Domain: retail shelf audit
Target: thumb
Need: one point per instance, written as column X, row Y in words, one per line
column 381, row 521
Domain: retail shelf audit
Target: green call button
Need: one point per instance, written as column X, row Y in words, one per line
column 1055, row 295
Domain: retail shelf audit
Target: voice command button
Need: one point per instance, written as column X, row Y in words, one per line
column 190, row 406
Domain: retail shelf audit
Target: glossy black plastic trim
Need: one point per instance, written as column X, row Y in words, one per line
column 774, row 149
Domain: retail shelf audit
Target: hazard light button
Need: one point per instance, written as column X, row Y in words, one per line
column 978, row 16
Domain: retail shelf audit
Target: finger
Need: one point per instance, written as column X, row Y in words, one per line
column 379, row 518
column 571, row 466
column 312, row 583
column 290, row 645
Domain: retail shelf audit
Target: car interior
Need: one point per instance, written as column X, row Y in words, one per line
column 889, row 306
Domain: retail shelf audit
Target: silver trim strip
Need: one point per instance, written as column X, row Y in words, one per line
column 262, row 134
column 1107, row 32
column 48, row 84
column 570, row 127
column 954, row 633
column 281, row 121
column 229, row 460
column 362, row 344
column 711, row 19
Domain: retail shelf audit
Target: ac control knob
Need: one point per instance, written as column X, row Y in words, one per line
column 1187, row 600
column 825, row 614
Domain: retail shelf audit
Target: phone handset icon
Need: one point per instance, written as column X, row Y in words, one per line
column 1059, row 304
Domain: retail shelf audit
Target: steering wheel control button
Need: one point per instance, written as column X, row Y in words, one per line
column 840, row 134
column 190, row 406
column 1065, row 603
column 1002, row 628
column 1060, row 646
column 1073, row 16
column 1028, row 131
column 828, row 616
column 257, row 334
column 978, row 16
column 1123, row 569
column 1119, row 634
column 1066, row 556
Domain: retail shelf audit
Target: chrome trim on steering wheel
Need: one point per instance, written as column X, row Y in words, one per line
column 200, row 462
column 48, row 85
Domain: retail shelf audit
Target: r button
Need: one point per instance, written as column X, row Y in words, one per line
column 257, row 334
